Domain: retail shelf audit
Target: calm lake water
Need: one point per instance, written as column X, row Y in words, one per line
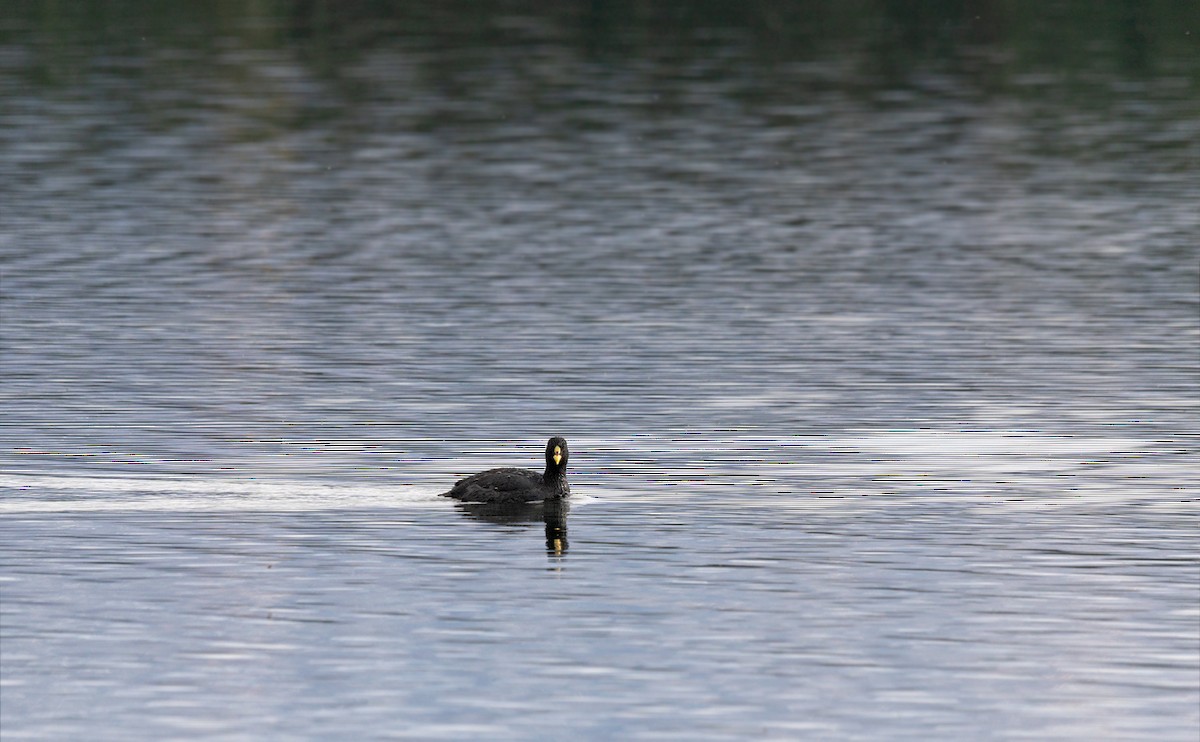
column 876, row 337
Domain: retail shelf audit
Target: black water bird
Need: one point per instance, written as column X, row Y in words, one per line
column 518, row 486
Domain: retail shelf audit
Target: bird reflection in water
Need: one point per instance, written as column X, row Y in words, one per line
column 553, row 513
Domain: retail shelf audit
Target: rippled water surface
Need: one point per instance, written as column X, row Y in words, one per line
column 876, row 343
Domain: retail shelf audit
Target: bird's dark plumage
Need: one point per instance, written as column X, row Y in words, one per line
column 516, row 486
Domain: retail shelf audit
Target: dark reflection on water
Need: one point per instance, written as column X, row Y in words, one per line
column 553, row 513
column 873, row 327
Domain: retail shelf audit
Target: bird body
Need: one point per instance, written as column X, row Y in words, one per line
column 518, row 486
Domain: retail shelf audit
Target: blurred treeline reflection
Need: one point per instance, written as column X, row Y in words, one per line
column 881, row 41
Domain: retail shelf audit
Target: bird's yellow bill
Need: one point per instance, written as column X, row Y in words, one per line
column 557, row 455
